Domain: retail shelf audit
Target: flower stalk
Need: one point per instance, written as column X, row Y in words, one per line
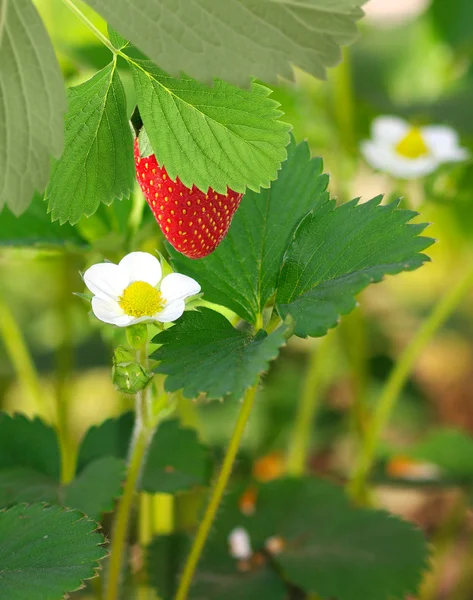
column 217, row 494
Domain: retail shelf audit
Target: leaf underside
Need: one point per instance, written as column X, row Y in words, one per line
column 32, row 104
column 236, row 39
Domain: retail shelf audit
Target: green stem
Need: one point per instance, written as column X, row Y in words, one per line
column 396, row 381
column 141, row 438
column 20, row 357
column 344, row 102
column 217, row 494
column 308, row 404
column 105, row 41
column 64, row 367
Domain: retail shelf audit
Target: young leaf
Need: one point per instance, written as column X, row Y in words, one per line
column 32, row 104
column 203, row 353
column 110, row 438
column 336, row 252
column 329, row 547
column 28, row 443
column 46, row 551
column 242, row 273
column 97, row 163
column 214, row 136
column 34, row 228
column 186, row 466
column 97, row 486
column 236, row 39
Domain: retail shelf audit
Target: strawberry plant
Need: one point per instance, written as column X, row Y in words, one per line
column 163, row 176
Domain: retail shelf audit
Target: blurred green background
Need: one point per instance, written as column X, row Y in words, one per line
column 413, row 59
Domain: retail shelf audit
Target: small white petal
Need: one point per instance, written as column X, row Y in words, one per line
column 110, row 311
column 443, row 143
column 239, row 544
column 389, row 161
column 105, row 280
column 178, row 287
column 171, row 312
column 141, row 266
column 389, row 130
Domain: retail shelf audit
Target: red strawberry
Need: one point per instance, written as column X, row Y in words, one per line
column 192, row 221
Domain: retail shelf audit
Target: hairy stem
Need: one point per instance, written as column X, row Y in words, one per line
column 386, row 403
column 105, row 41
column 217, row 494
column 309, row 401
column 20, row 357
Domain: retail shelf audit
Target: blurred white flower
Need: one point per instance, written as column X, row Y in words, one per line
column 239, row 544
column 408, row 152
column 134, row 291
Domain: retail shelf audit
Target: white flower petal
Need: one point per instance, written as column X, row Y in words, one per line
column 105, row 280
column 171, row 312
column 389, row 161
column 178, row 287
column 110, row 311
column 443, row 143
column 389, row 130
column 141, row 266
column 239, row 544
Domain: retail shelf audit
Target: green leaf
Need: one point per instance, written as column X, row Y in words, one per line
column 337, row 252
column 97, row 164
column 22, row 484
column 110, row 438
column 242, row 273
column 236, row 39
column 32, row 104
column 214, row 136
column 449, row 449
column 46, row 551
column 117, row 40
column 28, row 443
column 97, row 486
column 330, row 548
column 203, row 353
column 176, row 461
column 34, row 228
column 218, row 575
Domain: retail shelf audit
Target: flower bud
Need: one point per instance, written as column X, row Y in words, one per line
column 128, row 376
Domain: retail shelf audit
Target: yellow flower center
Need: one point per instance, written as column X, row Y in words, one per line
column 140, row 299
column 412, row 145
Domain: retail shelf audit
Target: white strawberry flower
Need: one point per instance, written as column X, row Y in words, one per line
column 135, row 290
column 239, row 544
column 409, row 152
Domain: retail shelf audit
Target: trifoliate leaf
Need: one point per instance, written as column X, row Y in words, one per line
column 336, row 252
column 94, row 490
column 97, row 164
column 236, row 39
column 204, row 353
column 34, row 228
column 30, row 444
column 327, row 546
column 32, row 104
column 117, row 40
column 211, row 136
column 110, row 438
column 243, row 271
column 183, row 468
column 46, row 551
